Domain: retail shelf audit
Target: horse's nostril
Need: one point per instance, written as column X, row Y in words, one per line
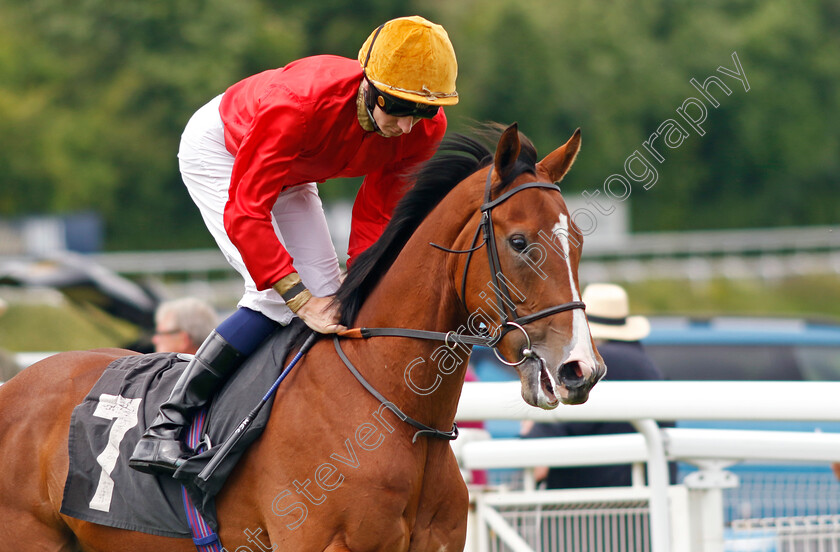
column 571, row 375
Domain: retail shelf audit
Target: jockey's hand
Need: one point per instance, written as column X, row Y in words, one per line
column 321, row 314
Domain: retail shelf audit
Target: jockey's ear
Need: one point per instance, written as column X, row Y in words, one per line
column 557, row 163
column 507, row 152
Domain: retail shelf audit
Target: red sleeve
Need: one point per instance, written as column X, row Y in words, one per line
column 382, row 190
column 260, row 172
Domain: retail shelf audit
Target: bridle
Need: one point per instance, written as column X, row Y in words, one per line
column 504, row 305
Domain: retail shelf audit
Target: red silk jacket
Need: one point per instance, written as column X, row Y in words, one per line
column 298, row 124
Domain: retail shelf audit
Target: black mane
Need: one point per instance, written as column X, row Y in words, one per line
column 458, row 157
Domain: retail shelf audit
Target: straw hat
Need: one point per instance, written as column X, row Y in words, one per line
column 607, row 310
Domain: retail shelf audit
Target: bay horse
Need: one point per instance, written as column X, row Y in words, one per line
column 480, row 248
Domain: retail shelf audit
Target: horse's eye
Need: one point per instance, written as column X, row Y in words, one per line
column 518, row 242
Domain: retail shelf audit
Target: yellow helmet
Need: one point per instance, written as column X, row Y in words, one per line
column 411, row 58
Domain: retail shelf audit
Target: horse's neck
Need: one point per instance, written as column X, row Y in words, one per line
column 423, row 377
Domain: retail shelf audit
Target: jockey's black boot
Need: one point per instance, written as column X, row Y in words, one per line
column 161, row 449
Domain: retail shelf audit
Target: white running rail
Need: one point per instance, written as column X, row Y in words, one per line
column 641, row 403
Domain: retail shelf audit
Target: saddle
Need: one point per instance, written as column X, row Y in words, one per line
column 104, row 428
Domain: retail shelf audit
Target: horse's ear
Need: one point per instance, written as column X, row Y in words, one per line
column 507, row 152
column 558, row 162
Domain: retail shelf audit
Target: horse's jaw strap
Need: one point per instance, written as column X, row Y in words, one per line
column 422, row 428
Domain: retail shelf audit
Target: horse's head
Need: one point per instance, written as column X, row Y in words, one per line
column 526, row 291
column 506, row 251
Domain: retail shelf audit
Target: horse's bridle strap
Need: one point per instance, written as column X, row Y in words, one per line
column 447, row 337
column 528, row 318
column 451, row 338
column 422, row 428
column 490, row 204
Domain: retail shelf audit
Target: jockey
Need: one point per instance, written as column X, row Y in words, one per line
column 251, row 159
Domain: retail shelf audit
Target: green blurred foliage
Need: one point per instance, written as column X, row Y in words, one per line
column 98, row 94
column 95, row 94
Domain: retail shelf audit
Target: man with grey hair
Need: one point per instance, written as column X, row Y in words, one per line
column 182, row 325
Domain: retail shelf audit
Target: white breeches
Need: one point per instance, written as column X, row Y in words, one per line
column 297, row 216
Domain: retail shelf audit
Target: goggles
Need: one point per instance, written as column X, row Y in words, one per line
column 397, row 107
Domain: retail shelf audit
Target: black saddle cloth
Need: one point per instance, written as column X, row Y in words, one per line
column 106, row 426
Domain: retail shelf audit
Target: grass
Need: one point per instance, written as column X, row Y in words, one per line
column 61, row 326
column 813, row 297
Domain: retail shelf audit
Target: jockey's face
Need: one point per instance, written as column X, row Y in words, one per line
column 393, row 116
column 391, row 126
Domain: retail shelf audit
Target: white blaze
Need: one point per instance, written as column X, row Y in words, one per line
column 580, row 347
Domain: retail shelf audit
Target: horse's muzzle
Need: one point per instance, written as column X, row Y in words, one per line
column 577, row 379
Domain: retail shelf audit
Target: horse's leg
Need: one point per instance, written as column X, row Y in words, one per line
column 28, row 517
column 441, row 523
column 24, row 532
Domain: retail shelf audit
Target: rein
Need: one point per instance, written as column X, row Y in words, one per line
column 504, row 303
column 422, row 428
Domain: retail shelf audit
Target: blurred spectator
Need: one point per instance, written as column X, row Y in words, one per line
column 617, row 336
column 182, row 325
